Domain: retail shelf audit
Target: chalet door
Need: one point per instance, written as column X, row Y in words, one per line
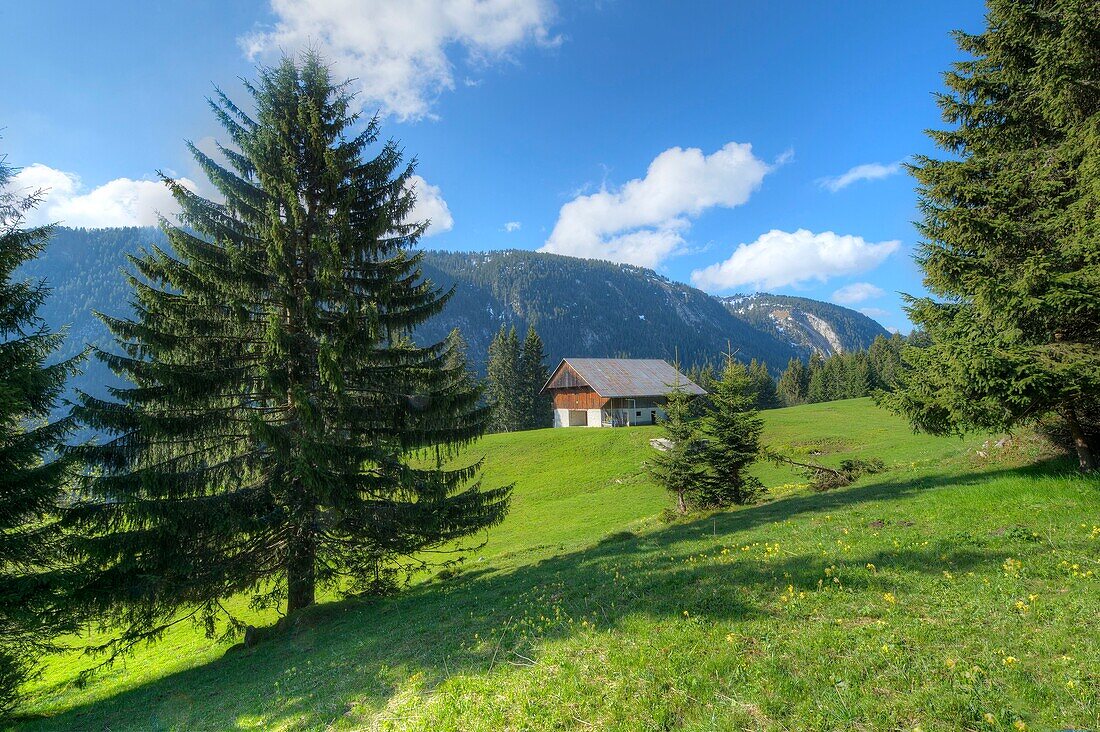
column 578, row 417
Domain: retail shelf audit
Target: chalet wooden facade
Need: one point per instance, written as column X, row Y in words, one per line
column 612, row 392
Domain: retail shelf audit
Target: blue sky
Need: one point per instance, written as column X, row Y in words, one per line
column 610, row 129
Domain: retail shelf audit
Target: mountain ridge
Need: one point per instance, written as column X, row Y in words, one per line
column 580, row 307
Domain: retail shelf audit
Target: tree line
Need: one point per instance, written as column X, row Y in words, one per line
column 516, row 374
column 847, row 375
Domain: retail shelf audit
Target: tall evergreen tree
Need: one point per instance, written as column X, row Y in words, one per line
column 264, row 447
column 886, row 363
column 1011, row 229
column 731, row 431
column 818, row 387
column 504, row 391
column 678, row 468
column 458, row 361
column 761, row 386
column 31, row 480
column 537, row 408
column 793, row 383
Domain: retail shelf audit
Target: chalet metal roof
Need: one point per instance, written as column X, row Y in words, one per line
column 627, row 377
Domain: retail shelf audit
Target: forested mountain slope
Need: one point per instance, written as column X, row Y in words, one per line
column 580, row 307
column 584, row 307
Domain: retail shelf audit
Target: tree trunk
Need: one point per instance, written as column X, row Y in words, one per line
column 681, row 505
column 301, row 573
column 1085, row 457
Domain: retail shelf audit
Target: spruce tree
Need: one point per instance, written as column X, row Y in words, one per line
column 793, row 383
column 678, row 468
column 817, row 381
column 537, row 409
column 886, row 364
column 505, row 382
column 32, row 479
column 1010, row 230
column 731, row 431
column 762, row 386
column 282, row 432
column 458, row 359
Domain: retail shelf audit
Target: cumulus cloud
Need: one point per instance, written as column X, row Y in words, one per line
column 645, row 220
column 857, row 292
column 430, row 206
column 867, row 171
column 120, row 202
column 780, row 258
column 397, row 52
column 512, row 226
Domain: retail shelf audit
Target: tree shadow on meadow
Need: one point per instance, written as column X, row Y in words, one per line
column 352, row 657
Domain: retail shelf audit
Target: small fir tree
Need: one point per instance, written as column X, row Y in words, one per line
column 282, row 432
column 731, row 431
column 32, row 479
column 678, row 468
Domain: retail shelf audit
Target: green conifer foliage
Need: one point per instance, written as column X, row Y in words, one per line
column 458, row 359
column 1011, row 230
column 731, row 431
column 282, row 432
column 678, row 467
column 762, row 386
column 31, row 481
column 794, row 383
column 505, row 387
column 537, row 408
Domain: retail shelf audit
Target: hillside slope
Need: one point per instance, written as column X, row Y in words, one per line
column 584, row 307
column 951, row 587
column 805, row 324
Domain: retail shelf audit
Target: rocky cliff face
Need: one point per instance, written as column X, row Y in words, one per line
column 807, row 325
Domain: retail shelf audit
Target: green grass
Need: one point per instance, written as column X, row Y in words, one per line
column 953, row 591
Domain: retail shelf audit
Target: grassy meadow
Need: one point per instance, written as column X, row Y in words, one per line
column 959, row 589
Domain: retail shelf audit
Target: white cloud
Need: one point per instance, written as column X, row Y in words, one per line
column 430, row 206
column 867, row 171
column 120, row 202
column 397, row 52
column 127, row 202
column 645, row 220
column 512, row 226
column 780, row 258
column 877, row 313
column 857, row 292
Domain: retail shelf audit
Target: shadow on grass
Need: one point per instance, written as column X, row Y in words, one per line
column 353, row 657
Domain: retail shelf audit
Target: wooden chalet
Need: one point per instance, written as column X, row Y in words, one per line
column 613, row 392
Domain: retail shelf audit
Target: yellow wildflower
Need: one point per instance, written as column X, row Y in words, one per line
column 889, row 597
